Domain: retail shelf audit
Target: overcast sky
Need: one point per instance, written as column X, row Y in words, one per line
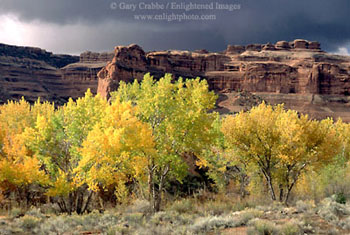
column 74, row 26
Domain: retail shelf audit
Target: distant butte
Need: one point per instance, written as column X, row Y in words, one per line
column 296, row 73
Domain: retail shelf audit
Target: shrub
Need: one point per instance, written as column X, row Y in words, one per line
column 262, row 227
column 16, row 212
column 171, row 217
column 331, row 210
column 35, row 212
column 50, row 208
column 93, row 221
column 239, row 206
column 333, row 231
column 290, row 228
column 275, row 206
column 304, row 206
column 345, row 224
column 247, row 215
column 28, row 222
column 330, row 217
column 57, row 225
column 154, row 230
column 107, row 220
column 217, row 207
column 119, row 229
column 139, row 206
column 214, row 222
column 340, row 198
column 183, row 206
column 134, row 218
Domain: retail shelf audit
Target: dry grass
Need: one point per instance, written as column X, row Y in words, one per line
column 184, row 217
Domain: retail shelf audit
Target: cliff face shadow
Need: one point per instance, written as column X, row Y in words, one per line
column 219, row 108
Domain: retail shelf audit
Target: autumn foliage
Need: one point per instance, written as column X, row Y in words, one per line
column 280, row 144
column 141, row 138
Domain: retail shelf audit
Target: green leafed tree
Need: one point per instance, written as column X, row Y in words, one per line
column 178, row 112
column 56, row 140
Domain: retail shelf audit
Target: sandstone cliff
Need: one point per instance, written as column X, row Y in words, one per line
column 296, row 73
column 33, row 72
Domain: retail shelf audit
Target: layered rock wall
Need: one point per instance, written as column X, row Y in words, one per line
column 33, row 72
column 284, row 68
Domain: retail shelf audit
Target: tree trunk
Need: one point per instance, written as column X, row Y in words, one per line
column 63, row 205
column 151, row 190
column 156, row 193
column 80, row 201
column 272, row 191
column 267, row 175
column 87, row 202
column 281, row 192
column 242, row 189
column 243, row 178
column 70, row 203
column 158, row 200
column 289, row 189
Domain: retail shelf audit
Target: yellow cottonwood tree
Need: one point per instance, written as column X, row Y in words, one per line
column 19, row 169
column 116, row 150
column 281, row 144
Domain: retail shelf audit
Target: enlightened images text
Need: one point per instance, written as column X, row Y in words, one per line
column 187, row 6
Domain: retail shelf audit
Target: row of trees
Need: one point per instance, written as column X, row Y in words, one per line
column 144, row 135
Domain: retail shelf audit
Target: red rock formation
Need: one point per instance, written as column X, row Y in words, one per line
column 282, row 45
column 125, row 57
column 33, row 72
column 94, row 57
column 283, row 70
column 235, row 49
column 300, row 44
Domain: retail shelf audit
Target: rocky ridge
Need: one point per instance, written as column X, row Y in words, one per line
column 296, row 73
column 33, row 72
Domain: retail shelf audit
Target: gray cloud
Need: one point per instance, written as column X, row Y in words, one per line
column 92, row 24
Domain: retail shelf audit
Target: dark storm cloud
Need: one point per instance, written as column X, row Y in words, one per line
column 57, row 11
column 258, row 21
